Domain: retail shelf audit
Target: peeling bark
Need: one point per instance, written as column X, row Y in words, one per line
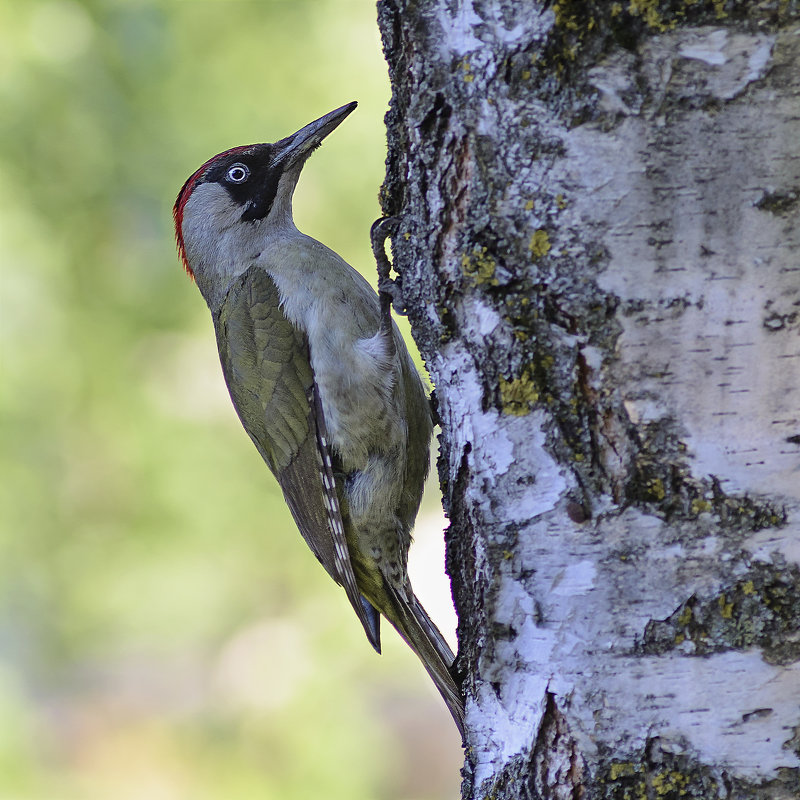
column 599, row 251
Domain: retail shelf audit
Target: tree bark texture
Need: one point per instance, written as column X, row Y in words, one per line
column 600, row 254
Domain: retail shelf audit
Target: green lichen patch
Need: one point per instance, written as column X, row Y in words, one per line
column 518, row 396
column 480, row 267
column 466, row 69
column 661, row 480
column 654, row 775
column 759, row 610
column 539, row 244
column 779, row 202
column 659, row 772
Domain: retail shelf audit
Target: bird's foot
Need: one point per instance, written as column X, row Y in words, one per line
column 390, row 291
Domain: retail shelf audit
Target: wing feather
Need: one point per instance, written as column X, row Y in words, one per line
column 265, row 360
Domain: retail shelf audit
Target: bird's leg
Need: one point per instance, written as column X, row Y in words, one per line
column 390, row 292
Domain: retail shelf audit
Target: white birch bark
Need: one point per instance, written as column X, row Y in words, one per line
column 600, row 252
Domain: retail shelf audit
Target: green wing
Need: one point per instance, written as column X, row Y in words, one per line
column 265, row 360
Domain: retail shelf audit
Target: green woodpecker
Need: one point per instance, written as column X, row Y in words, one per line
column 322, row 383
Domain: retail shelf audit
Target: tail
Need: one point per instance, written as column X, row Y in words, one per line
column 415, row 626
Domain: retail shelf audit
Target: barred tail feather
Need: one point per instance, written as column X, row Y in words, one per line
column 424, row 638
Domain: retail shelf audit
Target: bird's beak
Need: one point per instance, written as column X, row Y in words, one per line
column 300, row 145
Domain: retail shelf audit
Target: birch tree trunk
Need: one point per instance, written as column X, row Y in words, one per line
column 600, row 255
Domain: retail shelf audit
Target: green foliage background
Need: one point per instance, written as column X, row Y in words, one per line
column 164, row 633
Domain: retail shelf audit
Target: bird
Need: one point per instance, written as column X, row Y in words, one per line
column 321, row 380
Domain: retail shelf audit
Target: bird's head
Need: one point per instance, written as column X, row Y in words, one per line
column 239, row 196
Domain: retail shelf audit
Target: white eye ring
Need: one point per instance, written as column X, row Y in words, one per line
column 238, row 173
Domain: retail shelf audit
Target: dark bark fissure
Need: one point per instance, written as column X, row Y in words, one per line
column 461, row 567
column 556, row 762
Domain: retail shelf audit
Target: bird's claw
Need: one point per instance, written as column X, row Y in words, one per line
column 391, row 289
column 382, row 229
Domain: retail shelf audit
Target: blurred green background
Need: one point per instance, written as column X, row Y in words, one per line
column 164, row 632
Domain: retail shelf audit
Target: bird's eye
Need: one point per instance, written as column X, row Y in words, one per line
column 238, row 173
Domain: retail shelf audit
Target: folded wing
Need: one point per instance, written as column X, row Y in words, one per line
column 265, row 360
